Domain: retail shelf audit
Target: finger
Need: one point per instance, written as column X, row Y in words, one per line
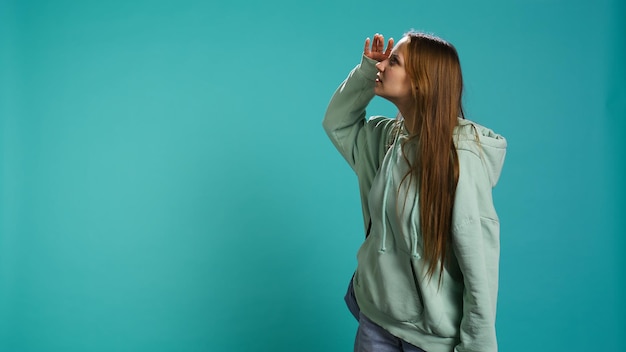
column 366, row 50
column 389, row 47
column 380, row 43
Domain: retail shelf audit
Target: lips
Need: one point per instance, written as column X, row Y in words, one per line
column 378, row 79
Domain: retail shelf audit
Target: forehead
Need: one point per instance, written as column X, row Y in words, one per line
column 397, row 49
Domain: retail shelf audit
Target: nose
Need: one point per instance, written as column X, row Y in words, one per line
column 380, row 65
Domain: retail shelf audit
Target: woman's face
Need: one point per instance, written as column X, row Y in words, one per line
column 393, row 83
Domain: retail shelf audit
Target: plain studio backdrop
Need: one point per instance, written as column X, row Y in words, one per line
column 166, row 184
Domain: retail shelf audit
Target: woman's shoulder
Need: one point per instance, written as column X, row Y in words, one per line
column 471, row 136
column 480, row 145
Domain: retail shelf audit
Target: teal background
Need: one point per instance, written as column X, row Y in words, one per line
column 166, row 184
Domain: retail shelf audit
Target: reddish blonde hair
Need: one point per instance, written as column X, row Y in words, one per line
column 434, row 69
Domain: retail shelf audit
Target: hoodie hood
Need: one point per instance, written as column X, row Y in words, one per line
column 491, row 147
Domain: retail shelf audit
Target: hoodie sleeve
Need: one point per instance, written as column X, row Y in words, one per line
column 362, row 143
column 476, row 244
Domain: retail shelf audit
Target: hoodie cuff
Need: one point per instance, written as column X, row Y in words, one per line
column 368, row 68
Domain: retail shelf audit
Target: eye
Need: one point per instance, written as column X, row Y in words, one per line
column 393, row 60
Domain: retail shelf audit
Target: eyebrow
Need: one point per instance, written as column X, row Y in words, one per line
column 395, row 56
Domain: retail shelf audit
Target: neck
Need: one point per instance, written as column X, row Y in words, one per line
column 408, row 112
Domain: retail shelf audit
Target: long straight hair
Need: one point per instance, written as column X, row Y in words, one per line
column 433, row 67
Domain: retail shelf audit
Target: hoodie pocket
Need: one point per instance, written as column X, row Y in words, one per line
column 386, row 280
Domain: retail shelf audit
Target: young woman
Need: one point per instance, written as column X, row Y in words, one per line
column 427, row 273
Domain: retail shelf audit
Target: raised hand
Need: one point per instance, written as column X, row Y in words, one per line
column 376, row 51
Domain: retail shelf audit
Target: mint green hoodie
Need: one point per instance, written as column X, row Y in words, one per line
column 390, row 282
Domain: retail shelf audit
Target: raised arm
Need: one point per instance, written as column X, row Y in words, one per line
column 345, row 122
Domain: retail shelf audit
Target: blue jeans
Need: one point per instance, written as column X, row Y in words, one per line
column 372, row 338
column 350, row 300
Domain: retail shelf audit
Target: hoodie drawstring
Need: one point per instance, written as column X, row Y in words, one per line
column 414, row 253
column 388, row 176
column 384, row 238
